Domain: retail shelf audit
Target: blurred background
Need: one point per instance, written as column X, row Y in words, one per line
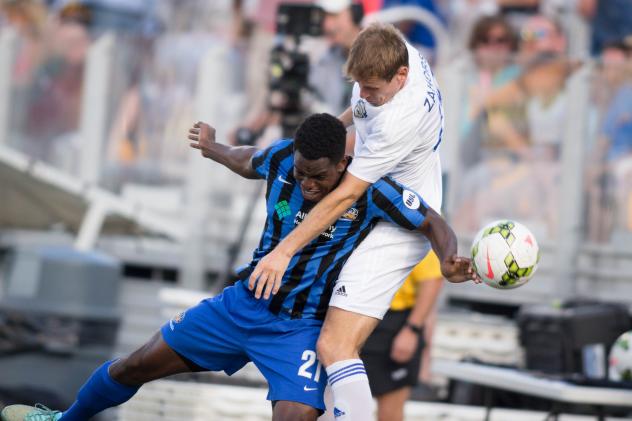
column 109, row 224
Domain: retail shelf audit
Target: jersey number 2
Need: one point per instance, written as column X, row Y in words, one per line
column 309, row 357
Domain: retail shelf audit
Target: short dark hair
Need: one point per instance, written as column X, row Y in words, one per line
column 321, row 136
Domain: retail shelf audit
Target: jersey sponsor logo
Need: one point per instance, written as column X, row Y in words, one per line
column 283, row 180
column 350, row 215
column 342, row 291
column 282, row 209
column 329, row 233
column 359, row 111
column 309, row 389
column 411, row 200
column 176, row 319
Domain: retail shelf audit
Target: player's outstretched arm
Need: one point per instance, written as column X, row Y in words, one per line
column 271, row 267
column 235, row 158
column 454, row 268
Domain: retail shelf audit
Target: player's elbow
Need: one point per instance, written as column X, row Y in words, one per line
column 350, row 190
column 431, row 222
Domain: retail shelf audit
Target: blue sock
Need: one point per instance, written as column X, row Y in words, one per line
column 100, row 392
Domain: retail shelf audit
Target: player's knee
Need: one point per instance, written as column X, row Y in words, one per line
column 331, row 350
column 129, row 371
column 292, row 411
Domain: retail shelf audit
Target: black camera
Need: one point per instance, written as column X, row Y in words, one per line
column 289, row 68
column 299, row 19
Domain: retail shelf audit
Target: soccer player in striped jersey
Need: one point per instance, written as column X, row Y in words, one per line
column 277, row 333
column 397, row 115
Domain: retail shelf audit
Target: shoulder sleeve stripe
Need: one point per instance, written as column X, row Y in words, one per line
column 423, row 207
column 387, row 207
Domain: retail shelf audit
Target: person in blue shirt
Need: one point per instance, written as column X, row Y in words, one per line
column 244, row 323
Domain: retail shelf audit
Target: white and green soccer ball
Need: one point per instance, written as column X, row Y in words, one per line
column 505, row 254
column 621, row 359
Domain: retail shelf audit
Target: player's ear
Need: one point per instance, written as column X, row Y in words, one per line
column 402, row 74
column 342, row 165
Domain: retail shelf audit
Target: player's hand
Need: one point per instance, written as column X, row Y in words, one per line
column 268, row 274
column 404, row 345
column 201, row 136
column 459, row 269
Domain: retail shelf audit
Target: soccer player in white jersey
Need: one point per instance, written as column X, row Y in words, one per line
column 398, row 117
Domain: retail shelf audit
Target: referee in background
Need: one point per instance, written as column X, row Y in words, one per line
column 392, row 355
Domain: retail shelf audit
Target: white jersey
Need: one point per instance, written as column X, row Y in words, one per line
column 401, row 137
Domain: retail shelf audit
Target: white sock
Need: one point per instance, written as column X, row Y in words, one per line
column 351, row 391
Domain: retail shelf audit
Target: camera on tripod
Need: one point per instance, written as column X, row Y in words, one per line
column 289, row 68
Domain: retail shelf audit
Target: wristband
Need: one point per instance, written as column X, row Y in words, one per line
column 417, row 329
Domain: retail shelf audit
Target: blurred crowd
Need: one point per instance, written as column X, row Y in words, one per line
column 518, row 57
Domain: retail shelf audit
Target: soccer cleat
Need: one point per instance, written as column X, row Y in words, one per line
column 29, row 413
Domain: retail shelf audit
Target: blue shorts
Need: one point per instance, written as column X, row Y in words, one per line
column 225, row 332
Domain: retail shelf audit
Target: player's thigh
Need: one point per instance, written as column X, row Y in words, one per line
column 293, row 411
column 377, row 268
column 343, row 334
column 208, row 335
column 285, row 353
column 154, row 360
column 390, row 406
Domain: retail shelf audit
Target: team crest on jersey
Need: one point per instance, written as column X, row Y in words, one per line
column 176, row 319
column 350, row 215
column 359, row 111
column 411, row 200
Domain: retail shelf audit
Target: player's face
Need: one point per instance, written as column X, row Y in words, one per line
column 377, row 91
column 317, row 177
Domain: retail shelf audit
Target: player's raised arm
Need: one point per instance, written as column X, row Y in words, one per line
column 238, row 159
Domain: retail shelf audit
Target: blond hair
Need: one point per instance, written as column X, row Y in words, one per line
column 378, row 51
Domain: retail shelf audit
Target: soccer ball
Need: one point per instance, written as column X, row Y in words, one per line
column 505, row 254
column 621, row 359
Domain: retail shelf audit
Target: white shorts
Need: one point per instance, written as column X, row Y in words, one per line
column 377, row 269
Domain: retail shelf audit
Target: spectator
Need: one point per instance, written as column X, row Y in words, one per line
column 492, row 44
column 611, row 21
column 610, row 168
column 128, row 16
column 341, row 26
column 156, row 104
column 539, row 34
column 28, row 18
column 462, row 14
column 541, row 89
column 55, row 96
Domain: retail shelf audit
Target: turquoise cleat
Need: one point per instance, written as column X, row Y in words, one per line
column 29, row 413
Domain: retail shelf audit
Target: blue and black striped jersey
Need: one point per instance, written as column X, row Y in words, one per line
column 308, row 282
